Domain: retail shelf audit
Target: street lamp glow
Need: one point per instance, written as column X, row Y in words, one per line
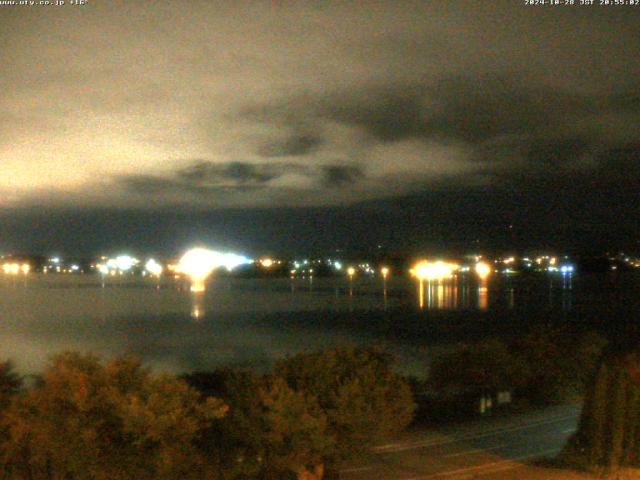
column 483, row 270
column 385, row 272
column 266, row 262
column 351, row 271
column 11, row 268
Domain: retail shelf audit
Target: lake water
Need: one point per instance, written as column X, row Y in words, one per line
column 253, row 322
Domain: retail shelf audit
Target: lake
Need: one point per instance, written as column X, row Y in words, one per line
column 253, row 322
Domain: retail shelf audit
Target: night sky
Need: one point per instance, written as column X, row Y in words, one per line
column 289, row 127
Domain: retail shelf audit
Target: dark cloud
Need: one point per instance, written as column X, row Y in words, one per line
column 389, row 114
column 620, row 166
column 210, row 180
column 503, row 121
column 232, row 173
column 206, row 179
column 295, row 145
column 553, row 154
column 337, row 176
column 470, row 109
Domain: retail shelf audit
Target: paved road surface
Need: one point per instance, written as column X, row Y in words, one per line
column 476, row 450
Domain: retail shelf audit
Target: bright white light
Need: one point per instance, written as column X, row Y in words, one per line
column 153, row 267
column 122, row 263
column 434, row 270
column 198, row 263
column 337, row 265
column 231, row 261
column 125, row 262
column 566, row 269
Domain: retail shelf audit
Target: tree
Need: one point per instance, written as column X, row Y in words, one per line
column 363, row 399
column 10, row 383
column 547, row 365
column 475, row 368
column 271, row 431
column 116, row 421
column 608, row 434
column 553, row 365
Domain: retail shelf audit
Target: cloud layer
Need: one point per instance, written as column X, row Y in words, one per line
column 212, row 105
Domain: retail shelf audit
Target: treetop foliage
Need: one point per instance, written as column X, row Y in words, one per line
column 545, row 366
column 364, row 400
column 114, row 421
column 89, row 419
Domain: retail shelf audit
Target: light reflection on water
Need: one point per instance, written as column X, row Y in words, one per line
column 252, row 322
column 461, row 293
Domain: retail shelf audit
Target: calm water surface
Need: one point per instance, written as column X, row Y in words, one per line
column 253, row 322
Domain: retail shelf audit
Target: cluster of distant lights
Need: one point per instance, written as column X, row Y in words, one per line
column 16, row 268
column 196, row 263
column 199, row 263
column 55, row 265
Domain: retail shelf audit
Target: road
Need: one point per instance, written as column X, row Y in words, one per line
column 475, row 450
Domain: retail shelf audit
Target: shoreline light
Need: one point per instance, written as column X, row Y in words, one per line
column 198, row 263
column 483, row 270
column 153, row 267
column 16, row 268
column 122, row 263
column 267, row 262
column 439, row 270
